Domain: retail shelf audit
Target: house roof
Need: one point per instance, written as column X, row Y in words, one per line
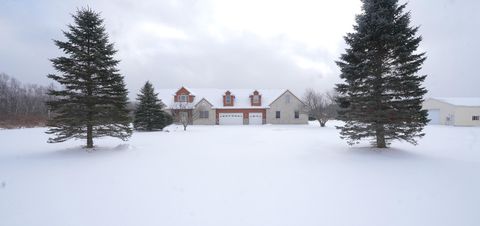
column 460, row 101
column 215, row 97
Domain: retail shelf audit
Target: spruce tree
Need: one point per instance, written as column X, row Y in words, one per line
column 149, row 115
column 382, row 94
column 93, row 100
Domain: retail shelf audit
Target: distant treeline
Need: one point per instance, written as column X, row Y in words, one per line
column 22, row 105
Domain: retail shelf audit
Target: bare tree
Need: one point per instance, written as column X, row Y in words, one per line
column 21, row 104
column 184, row 113
column 321, row 106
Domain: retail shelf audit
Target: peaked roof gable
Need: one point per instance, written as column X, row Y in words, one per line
column 186, row 89
column 286, row 91
column 205, row 100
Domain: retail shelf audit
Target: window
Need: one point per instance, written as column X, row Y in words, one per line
column 228, row 99
column 203, row 114
column 287, row 99
column 475, row 118
column 183, row 98
column 277, row 114
column 297, row 114
column 256, row 99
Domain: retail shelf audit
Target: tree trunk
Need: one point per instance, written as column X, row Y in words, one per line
column 322, row 123
column 89, row 136
column 380, row 134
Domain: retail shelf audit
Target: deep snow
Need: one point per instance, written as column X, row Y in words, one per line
column 240, row 175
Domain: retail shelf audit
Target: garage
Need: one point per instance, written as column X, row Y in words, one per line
column 255, row 118
column 434, row 116
column 230, row 118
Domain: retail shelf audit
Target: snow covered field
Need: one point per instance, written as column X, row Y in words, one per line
column 240, row 175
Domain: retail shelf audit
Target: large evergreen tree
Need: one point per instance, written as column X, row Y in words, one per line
column 149, row 114
column 93, row 99
column 382, row 93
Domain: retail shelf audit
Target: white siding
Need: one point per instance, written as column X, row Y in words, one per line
column 204, row 106
column 463, row 116
column 453, row 115
column 446, row 112
column 287, row 104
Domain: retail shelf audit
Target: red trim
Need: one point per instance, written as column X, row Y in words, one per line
column 183, row 91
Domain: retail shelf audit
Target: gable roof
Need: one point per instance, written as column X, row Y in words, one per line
column 205, row 100
column 287, row 91
column 215, row 97
column 460, row 101
column 187, row 89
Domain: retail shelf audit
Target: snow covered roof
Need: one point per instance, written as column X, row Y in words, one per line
column 181, row 105
column 460, row 101
column 215, row 97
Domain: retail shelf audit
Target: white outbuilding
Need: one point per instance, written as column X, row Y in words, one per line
column 463, row 111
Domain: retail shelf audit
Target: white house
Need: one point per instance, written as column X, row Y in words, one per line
column 453, row 111
column 234, row 106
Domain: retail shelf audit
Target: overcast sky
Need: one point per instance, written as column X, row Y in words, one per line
column 238, row 44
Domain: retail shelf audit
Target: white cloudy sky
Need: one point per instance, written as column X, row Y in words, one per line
column 237, row 44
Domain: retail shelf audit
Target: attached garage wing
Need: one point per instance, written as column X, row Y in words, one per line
column 230, row 118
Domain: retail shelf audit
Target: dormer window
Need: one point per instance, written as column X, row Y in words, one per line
column 256, row 99
column 228, row 99
column 183, row 98
column 183, row 95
